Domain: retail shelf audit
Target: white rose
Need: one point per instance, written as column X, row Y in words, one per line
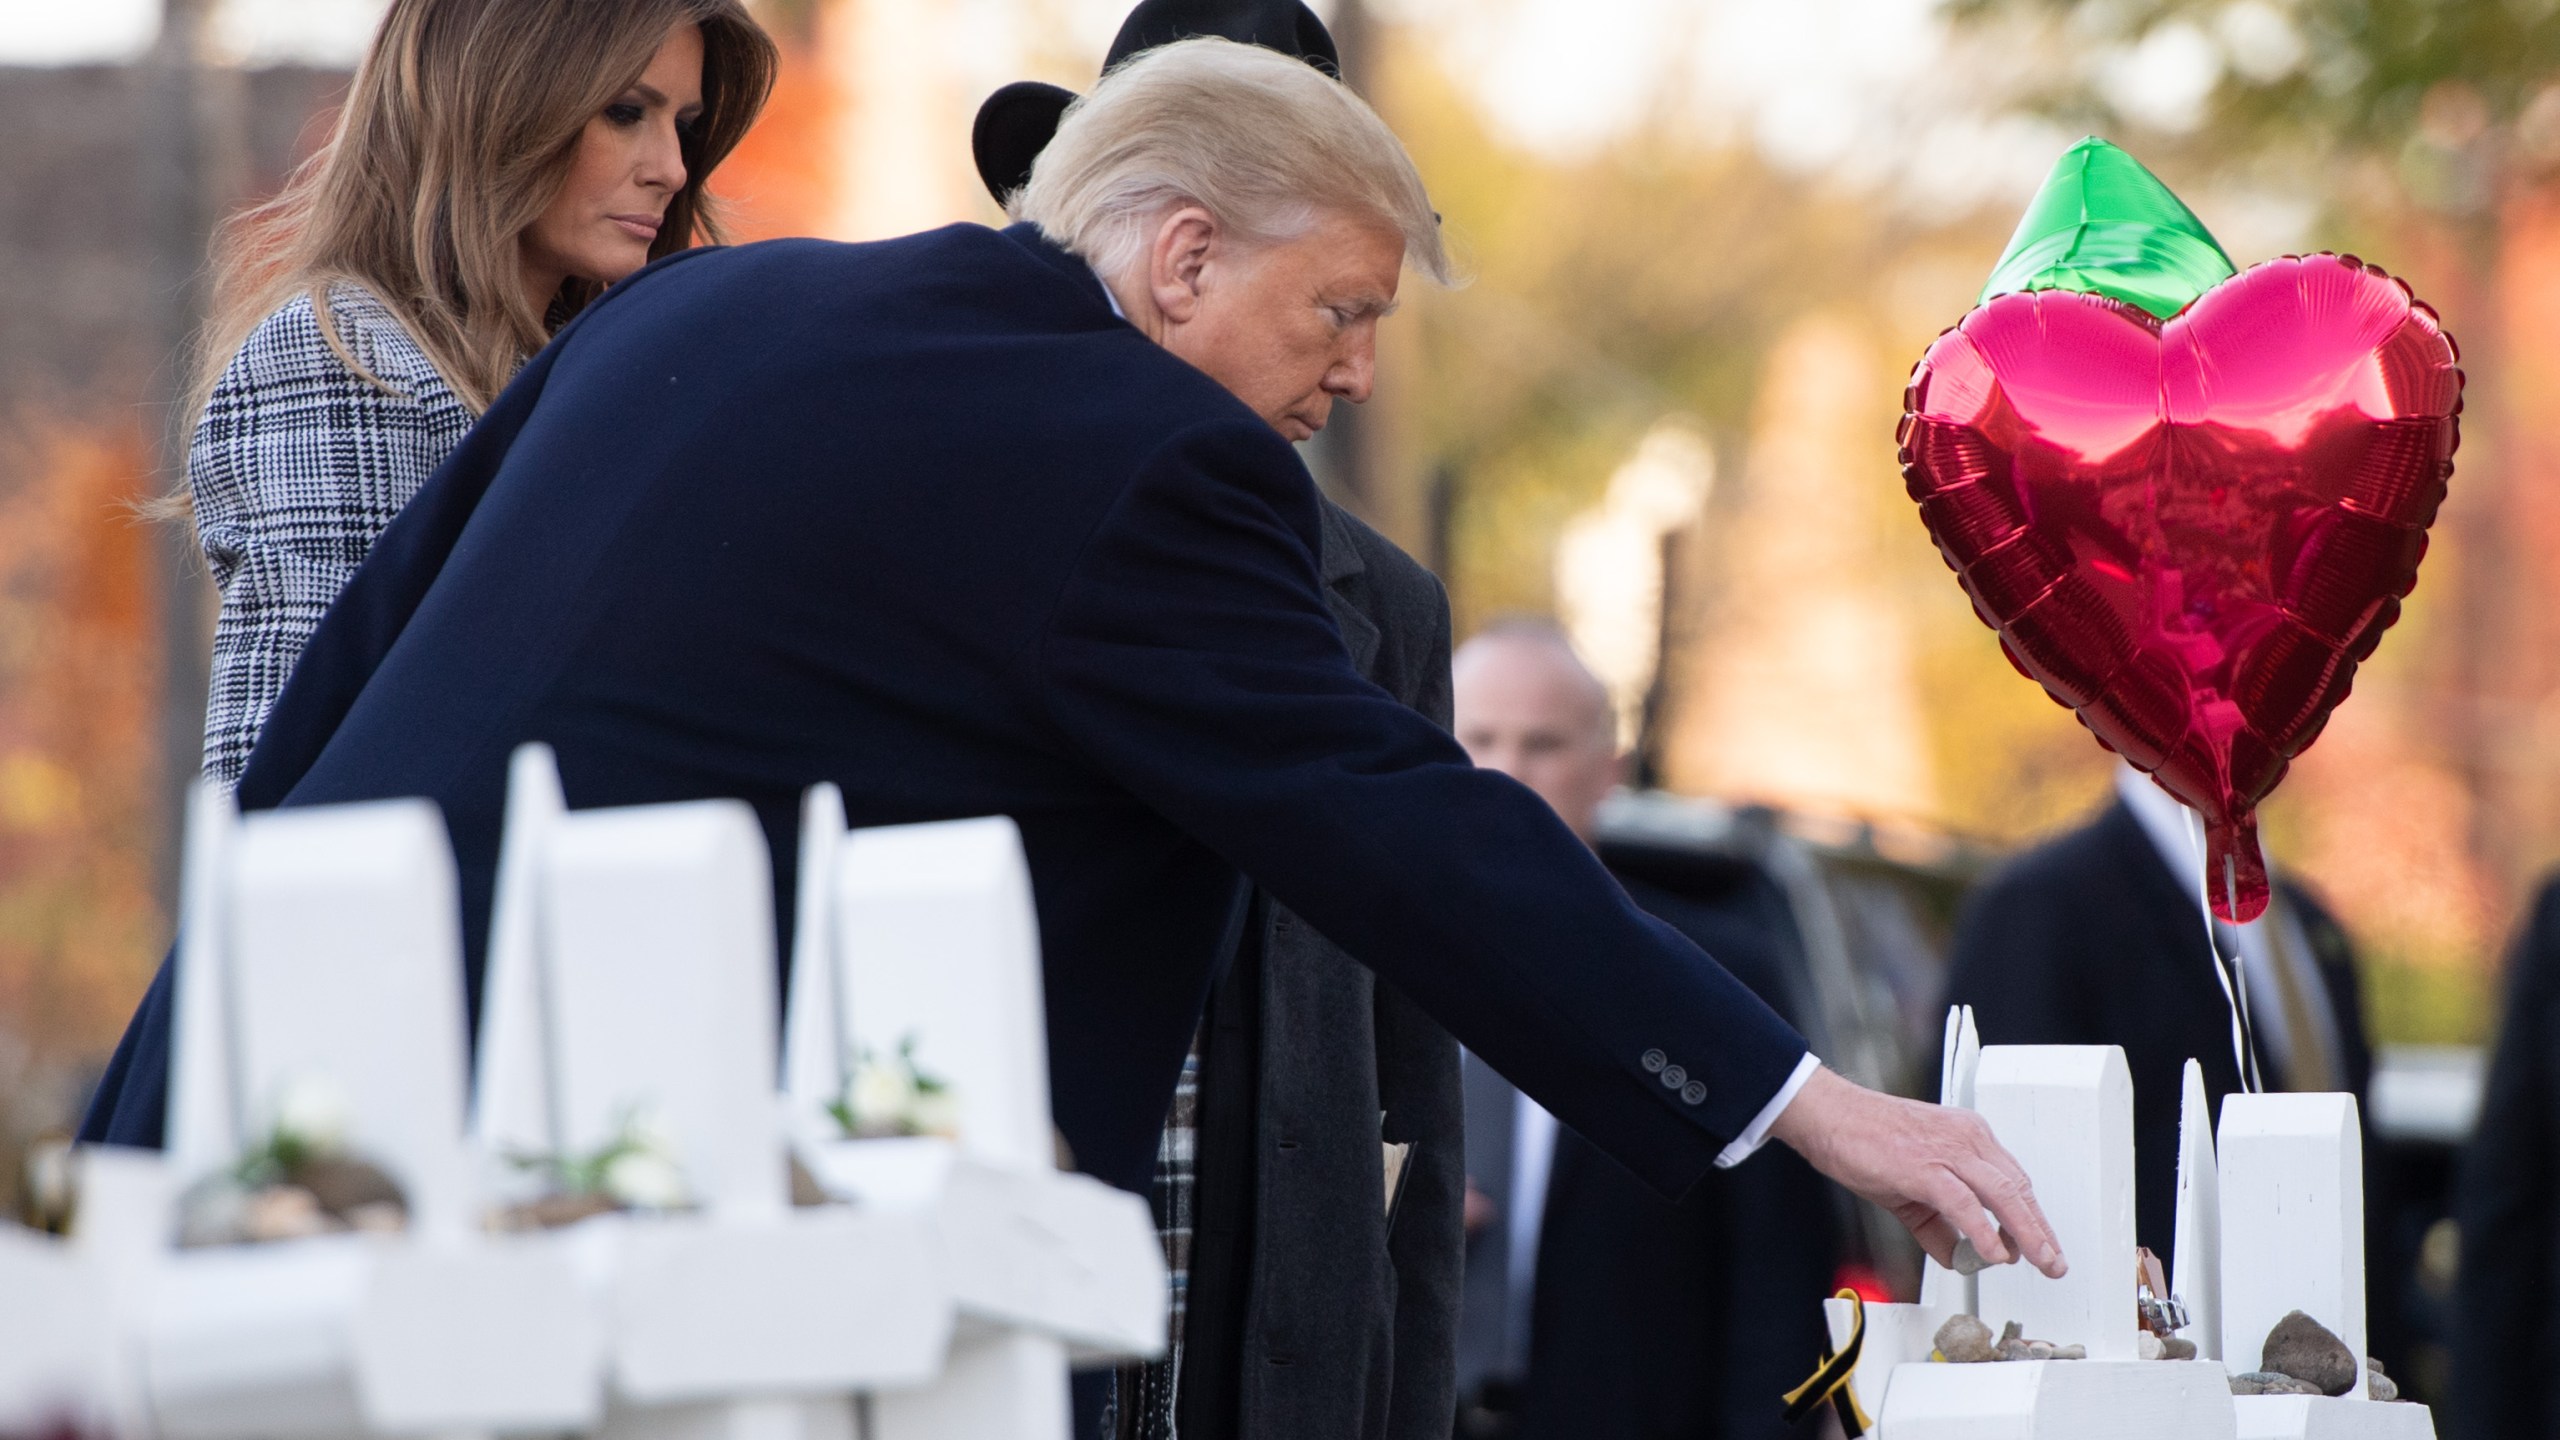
column 313, row 1111
column 646, row 1180
column 883, row 1093
column 938, row 1113
column 647, row 1130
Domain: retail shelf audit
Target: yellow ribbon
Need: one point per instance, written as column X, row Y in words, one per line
column 1830, row 1380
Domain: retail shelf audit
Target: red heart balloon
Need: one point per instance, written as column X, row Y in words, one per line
column 2190, row 533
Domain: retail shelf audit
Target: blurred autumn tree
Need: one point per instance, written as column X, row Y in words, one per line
column 1664, row 275
column 79, row 926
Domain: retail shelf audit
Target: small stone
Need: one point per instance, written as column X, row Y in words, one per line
column 805, row 1189
column 2305, row 1349
column 2039, row 1349
column 2070, row 1352
column 378, row 1217
column 552, row 1212
column 341, row 1185
column 2147, row 1346
column 1964, row 1340
column 2012, row 1344
column 2268, row 1382
column 282, row 1212
column 2379, row 1386
column 211, row 1212
column 2177, row 1347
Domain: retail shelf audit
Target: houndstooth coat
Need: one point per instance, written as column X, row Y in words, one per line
column 297, row 466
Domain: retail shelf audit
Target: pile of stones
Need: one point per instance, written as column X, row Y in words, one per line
column 1965, row 1340
column 316, row 1195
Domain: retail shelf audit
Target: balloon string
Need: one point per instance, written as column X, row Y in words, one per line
column 2244, row 1052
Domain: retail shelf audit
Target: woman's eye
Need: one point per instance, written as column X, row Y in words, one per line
column 623, row 113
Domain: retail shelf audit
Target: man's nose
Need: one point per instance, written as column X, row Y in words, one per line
column 1355, row 372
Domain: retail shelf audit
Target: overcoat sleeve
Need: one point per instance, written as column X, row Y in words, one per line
column 1191, row 657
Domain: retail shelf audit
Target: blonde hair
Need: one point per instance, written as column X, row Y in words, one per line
column 457, row 133
column 1262, row 141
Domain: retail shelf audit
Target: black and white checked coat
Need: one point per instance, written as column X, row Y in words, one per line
column 296, row 468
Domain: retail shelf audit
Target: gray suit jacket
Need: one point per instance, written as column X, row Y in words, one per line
column 1345, row 1325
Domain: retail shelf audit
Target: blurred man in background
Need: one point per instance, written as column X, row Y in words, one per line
column 1593, row 1308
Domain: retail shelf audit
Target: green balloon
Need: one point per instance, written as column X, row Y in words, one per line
column 2104, row 225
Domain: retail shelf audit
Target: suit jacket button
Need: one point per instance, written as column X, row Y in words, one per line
column 1654, row 1060
column 1694, row 1093
column 1674, row 1077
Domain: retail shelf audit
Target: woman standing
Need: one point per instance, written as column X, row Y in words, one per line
column 497, row 163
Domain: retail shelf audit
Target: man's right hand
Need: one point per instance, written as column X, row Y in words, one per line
column 1939, row 1171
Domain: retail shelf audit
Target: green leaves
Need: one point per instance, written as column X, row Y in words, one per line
column 2103, row 225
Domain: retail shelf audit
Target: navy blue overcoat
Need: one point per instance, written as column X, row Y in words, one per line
column 924, row 518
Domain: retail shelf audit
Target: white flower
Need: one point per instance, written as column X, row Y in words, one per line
column 313, row 1112
column 647, row 1130
column 646, row 1179
column 883, row 1094
column 936, row 1112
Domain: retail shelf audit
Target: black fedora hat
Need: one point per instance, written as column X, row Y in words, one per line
column 1016, row 123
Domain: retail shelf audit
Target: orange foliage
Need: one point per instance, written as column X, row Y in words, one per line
column 781, row 179
column 79, row 927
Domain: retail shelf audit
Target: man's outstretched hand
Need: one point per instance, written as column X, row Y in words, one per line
column 1938, row 1170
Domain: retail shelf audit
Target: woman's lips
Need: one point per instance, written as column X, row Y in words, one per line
column 638, row 227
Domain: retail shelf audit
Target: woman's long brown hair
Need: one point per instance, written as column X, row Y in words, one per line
column 458, row 131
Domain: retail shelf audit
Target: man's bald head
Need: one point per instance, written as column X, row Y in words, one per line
column 1528, row 707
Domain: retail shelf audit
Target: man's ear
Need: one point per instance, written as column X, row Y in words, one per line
column 1177, row 259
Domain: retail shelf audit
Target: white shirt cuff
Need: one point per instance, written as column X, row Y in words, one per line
column 1752, row 1139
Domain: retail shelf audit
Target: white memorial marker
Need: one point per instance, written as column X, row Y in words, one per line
column 2066, row 1113
column 922, row 944
column 2196, row 1242
column 1960, row 1059
column 512, row 1109
column 2292, row 1178
column 57, row 1344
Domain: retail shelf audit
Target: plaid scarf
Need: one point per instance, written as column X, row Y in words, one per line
column 1143, row 1401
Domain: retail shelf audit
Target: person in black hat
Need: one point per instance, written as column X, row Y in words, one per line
column 1016, row 123
column 1301, row 1305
